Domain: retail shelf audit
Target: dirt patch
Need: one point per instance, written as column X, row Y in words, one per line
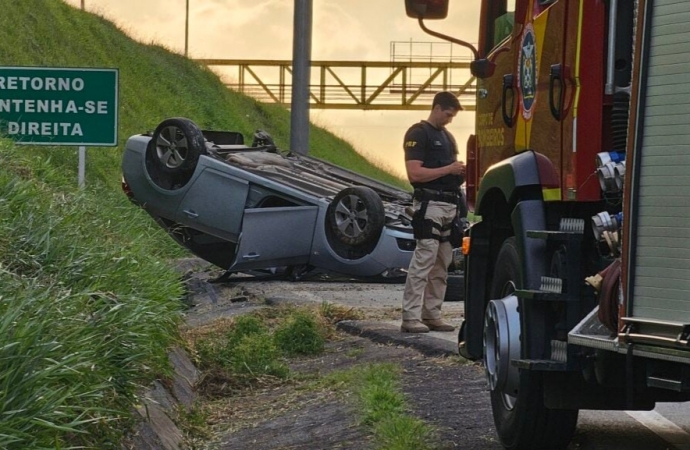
column 445, row 392
column 296, row 416
column 452, row 398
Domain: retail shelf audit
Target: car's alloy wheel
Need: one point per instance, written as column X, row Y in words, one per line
column 174, row 151
column 172, row 147
column 356, row 216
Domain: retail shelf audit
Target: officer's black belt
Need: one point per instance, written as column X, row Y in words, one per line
column 427, row 195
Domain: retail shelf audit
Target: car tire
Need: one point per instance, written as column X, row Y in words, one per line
column 522, row 421
column 356, row 216
column 173, row 152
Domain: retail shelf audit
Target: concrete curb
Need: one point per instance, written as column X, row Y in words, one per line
column 159, row 406
column 391, row 335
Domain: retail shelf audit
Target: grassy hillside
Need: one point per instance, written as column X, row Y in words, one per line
column 154, row 84
column 88, row 299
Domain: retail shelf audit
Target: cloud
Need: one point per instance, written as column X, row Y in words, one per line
column 241, row 29
column 339, row 33
column 351, row 29
column 241, row 14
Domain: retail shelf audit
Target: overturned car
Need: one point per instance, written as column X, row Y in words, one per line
column 248, row 207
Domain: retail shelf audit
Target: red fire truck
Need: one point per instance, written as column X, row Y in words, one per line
column 578, row 272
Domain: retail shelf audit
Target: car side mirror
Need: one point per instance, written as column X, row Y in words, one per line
column 482, row 68
column 426, row 9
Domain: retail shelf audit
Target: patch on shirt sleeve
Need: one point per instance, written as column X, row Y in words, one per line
column 410, row 144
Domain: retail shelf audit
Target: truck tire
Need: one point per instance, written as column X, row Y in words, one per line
column 173, row 152
column 455, row 289
column 522, row 421
column 356, row 216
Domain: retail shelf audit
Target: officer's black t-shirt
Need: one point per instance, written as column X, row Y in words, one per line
column 435, row 148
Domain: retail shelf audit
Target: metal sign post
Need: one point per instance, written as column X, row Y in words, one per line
column 59, row 106
column 82, row 166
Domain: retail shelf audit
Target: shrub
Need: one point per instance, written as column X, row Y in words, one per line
column 257, row 355
column 300, row 334
column 245, row 325
column 217, row 350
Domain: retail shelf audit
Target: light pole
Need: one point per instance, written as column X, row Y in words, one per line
column 301, row 69
column 186, row 29
column 82, row 4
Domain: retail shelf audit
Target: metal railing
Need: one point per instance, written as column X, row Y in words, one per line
column 400, row 84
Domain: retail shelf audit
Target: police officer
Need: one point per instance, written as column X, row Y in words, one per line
column 436, row 175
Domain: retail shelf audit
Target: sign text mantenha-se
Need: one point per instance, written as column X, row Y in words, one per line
column 59, row 106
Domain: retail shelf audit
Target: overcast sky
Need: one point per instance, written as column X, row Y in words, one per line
column 262, row 29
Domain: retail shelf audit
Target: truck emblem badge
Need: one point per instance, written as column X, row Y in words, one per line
column 527, row 72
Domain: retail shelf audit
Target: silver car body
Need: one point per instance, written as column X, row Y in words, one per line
column 250, row 208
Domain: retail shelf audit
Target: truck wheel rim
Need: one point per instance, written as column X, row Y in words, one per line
column 501, row 345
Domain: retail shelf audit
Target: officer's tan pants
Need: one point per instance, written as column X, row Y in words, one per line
column 427, row 275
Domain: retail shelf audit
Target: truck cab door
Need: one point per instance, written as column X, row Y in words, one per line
column 496, row 95
column 525, row 104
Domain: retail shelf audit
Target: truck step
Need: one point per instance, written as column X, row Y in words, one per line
column 547, row 365
column 569, row 230
column 541, row 296
column 561, row 236
column 590, row 332
column 557, row 363
column 665, row 383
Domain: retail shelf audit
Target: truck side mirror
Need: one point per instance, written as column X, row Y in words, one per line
column 427, row 9
column 482, row 68
column 438, row 9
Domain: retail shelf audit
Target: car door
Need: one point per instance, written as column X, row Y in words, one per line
column 275, row 237
column 215, row 202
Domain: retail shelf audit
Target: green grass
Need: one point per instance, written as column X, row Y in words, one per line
column 255, row 345
column 89, row 300
column 193, row 421
column 79, row 332
column 300, row 334
column 382, row 406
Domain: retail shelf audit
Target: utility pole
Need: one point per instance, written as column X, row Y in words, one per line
column 301, row 71
column 186, row 30
column 82, row 4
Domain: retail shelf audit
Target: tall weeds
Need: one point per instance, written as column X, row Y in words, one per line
column 86, row 316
